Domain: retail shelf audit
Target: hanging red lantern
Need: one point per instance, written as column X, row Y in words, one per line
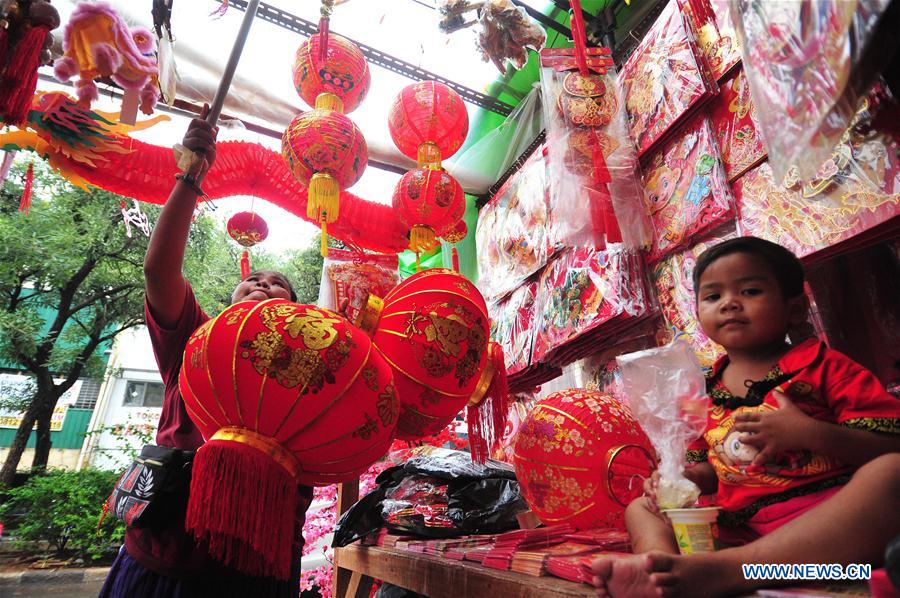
column 327, row 152
column 428, row 122
column 580, row 458
column 433, row 330
column 456, row 234
column 429, row 202
column 284, row 394
column 339, row 82
column 247, row 229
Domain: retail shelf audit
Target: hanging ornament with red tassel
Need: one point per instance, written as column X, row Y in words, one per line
column 27, row 190
column 26, row 42
column 454, row 236
column 248, row 229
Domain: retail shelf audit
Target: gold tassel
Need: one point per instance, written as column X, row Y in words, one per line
column 323, row 249
column 323, row 201
column 429, row 156
column 329, row 101
column 422, row 238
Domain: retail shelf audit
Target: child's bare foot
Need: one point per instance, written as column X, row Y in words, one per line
column 641, row 576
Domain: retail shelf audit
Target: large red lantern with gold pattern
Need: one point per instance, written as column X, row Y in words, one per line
column 284, row 394
column 428, row 122
column 247, row 229
column 341, row 76
column 580, row 458
column 430, row 202
column 432, row 329
column 327, row 152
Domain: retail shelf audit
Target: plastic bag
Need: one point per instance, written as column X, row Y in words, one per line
column 666, row 391
column 664, row 80
column 507, row 34
column 734, row 117
column 809, row 64
column 348, row 278
column 513, row 325
column 715, row 34
column 856, row 190
column 685, row 189
column 595, row 189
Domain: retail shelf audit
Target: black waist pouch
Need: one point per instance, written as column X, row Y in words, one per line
column 153, row 491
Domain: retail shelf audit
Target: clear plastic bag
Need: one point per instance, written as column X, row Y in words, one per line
column 512, row 325
column 666, row 391
column 805, row 60
column 507, row 34
column 513, row 234
column 855, row 190
column 734, row 117
column 593, row 170
column 715, row 34
column 348, row 278
column 685, row 189
column 664, row 80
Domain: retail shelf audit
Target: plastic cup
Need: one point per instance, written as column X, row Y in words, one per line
column 695, row 529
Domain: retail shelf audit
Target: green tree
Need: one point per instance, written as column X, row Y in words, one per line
column 71, row 257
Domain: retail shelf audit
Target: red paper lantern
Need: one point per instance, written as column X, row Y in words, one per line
column 342, row 77
column 580, row 458
column 248, row 229
column 428, row 122
column 326, row 151
column 284, row 394
column 430, row 202
column 432, row 329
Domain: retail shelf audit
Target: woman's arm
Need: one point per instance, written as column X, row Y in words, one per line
column 163, row 278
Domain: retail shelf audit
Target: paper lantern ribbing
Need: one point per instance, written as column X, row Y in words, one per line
column 432, row 329
column 428, row 122
column 284, row 394
column 430, row 202
column 325, row 150
column 247, row 229
column 580, row 458
column 343, row 78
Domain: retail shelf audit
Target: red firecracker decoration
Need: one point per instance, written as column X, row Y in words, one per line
column 454, row 236
column 27, row 190
column 428, row 122
column 248, row 229
column 339, row 82
column 284, row 394
column 433, row 330
column 430, row 202
column 326, row 151
column 580, row 458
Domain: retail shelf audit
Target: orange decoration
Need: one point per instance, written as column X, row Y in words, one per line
column 580, row 458
column 343, row 75
column 428, row 122
column 284, row 394
column 430, row 202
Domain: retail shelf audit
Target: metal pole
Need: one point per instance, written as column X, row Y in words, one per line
column 219, row 99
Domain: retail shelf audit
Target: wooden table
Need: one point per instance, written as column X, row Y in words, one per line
column 436, row 577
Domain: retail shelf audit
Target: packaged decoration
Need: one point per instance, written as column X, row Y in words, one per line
column 666, row 391
column 348, row 278
column 664, row 80
column 507, row 34
column 809, row 65
column 582, row 290
column 854, row 191
column 513, row 324
column 672, row 279
column 716, row 37
column 734, row 117
column 592, row 165
column 685, row 188
column 513, row 235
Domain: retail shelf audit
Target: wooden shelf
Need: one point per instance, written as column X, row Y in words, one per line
column 438, row 577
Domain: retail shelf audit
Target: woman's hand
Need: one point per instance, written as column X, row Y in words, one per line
column 200, row 138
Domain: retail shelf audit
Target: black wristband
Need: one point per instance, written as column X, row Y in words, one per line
column 191, row 182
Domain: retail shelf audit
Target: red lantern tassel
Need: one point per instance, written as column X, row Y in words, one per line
column 28, row 190
column 245, row 264
column 242, row 502
column 454, row 256
column 20, row 76
column 487, row 418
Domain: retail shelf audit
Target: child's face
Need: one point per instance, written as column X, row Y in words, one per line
column 740, row 304
column 260, row 286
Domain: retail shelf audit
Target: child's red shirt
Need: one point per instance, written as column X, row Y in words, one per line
column 826, row 385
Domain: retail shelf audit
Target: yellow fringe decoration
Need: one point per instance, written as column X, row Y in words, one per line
column 429, row 156
column 422, row 238
column 323, row 248
column 323, row 203
column 329, row 101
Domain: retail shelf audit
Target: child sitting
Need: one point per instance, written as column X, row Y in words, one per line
column 801, row 444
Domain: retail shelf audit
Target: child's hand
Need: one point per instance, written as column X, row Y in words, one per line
column 200, row 138
column 651, row 489
column 774, row 432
